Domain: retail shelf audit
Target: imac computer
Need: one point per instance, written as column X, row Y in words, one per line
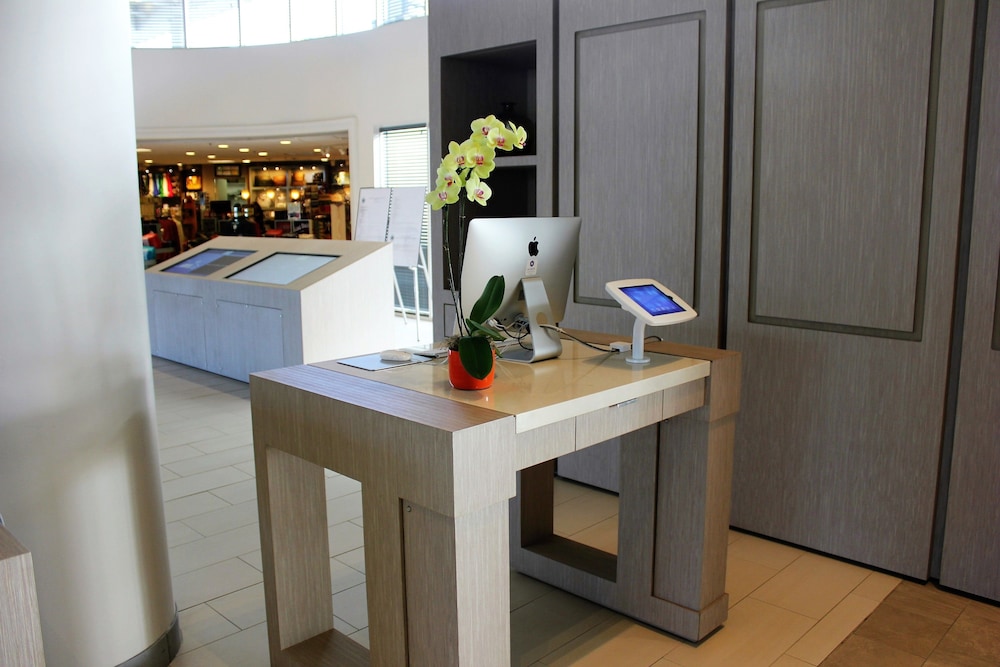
column 536, row 257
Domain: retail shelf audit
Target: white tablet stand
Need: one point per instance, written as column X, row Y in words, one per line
column 651, row 303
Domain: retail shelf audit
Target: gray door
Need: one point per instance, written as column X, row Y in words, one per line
column 970, row 559
column 848, row 122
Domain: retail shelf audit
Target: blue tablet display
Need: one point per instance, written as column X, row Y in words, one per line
column 652, row 300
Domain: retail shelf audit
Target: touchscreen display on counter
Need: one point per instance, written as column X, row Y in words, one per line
column 652, row 300
column 282, row 268
column 208, row 261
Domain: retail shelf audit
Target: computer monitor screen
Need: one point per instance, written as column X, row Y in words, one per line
column 282, row 268
column 208, row 261
column 542, row 248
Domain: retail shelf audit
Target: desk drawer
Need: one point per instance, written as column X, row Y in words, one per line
column 601, row 425
column 545, row 443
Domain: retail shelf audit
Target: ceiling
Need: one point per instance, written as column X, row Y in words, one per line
column 308, row 148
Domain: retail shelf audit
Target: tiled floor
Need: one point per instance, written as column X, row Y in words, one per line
column 787, row 607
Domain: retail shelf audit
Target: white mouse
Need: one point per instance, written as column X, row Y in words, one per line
column 395, row 355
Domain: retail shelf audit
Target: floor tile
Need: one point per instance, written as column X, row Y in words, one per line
column 224, row 518
column 178, row 533
column 343, row 577
column 345, row 537
column 928, row 601
column 744, row 577
column 620, row 642
column 524, row 589
column 211, row 480
column 193, row 505
column 202, row 625
column 877, row 586
column 904, row 629
column 213, row 581
column 187, row 436
column 178, row 453
column 863, row 652
column 584, row 511
column 832, row 629
column 253, row 559
column 602, row 535
column 811, row 585
column 352, row 606
column 343, row 508
column 764, row 552
column 224, row 442
column 243, row 649
column 243, row 608
column 226, row 457
column 549, row 622
column 755, row 635
column 237, row 493
column 340, row 485
column 788, row 661
column 975, row 637
column 354, row 559
column 217, row 548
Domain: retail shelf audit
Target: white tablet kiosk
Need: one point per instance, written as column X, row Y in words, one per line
column 652, row 304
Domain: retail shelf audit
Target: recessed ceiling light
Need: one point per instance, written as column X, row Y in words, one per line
column 148, row 161
column 189, row 153
column 223, row 145
column 211, row 156
column 244, row 150
column 317, row 150
column 143, row 150
column 262, row 153
column 246, row 161
column 286, row 142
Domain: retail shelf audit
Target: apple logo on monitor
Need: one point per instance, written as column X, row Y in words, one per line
column 533, row 247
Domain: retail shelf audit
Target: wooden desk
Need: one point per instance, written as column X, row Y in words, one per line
column 20, row 628
column 438, row 469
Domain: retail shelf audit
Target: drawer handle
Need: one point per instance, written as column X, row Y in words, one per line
column 624, row 403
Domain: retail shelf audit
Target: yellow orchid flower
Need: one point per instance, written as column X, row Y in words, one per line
column 503, row 138
column 483, row 126
column 447, row 175
column 477, row 190
column 520, row 135
column 443, row 195
column 479, row 155
column 456, row 154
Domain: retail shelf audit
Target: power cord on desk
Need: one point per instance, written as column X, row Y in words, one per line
column 613, row 347
column 563, row 332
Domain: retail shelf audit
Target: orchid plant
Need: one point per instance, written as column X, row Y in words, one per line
column 465, row 167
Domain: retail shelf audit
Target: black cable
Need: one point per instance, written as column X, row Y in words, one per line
column 563, row 332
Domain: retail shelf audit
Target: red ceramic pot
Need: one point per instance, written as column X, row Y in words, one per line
column 460, row 378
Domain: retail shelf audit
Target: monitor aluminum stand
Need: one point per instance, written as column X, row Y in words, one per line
column 545, row 343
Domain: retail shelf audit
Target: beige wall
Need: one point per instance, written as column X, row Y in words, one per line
column 359, row 82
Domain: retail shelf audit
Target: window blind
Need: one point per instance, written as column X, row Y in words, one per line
column 403, row 162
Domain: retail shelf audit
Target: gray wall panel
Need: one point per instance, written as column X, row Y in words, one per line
column 641, row 129
column 841, row 111
column 645, row 138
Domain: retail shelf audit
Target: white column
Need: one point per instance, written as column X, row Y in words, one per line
column 79, row 473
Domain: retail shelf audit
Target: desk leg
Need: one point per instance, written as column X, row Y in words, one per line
column 295, row 551
column 384, row 576
column 457, row 580
column 694, row 475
